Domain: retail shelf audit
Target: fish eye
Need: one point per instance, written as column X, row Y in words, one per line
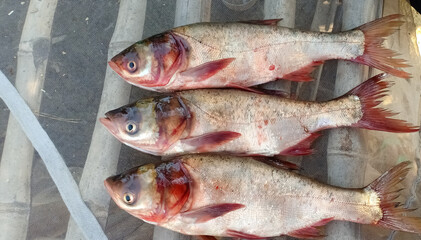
column 131, row 128
column 128, row 198
column 131, row 66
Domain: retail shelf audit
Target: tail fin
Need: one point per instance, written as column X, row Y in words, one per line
column 374, row 54
column 392, row 211
column 369, row 93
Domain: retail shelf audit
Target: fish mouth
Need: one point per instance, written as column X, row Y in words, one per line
column 114, row 66
column 106, row 121
column 109, row 183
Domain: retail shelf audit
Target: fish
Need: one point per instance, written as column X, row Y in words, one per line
column 245, row 54
column 246, row 123
column 230, row 196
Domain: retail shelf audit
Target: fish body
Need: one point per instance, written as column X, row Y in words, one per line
column 218, row 55
column 245, row 123
column 240, row 197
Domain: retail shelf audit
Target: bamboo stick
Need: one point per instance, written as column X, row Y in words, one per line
column 104, row 150
column 346, row 156
column 284, row 9
column 53, row 161
column 17, row 156
column 186, row 12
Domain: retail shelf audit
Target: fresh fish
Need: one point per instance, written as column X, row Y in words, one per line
column 240, row 197
column 218, row 55
column 245, row 123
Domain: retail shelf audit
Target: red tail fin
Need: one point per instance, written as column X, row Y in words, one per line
column 369, row 93
column 392, row 211
column 374, row 54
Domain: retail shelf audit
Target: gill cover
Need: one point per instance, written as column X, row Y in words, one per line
column 152, row 62
column 158, row 193
column 150, row 125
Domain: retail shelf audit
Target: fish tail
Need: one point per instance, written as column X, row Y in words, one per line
column 393, row 212
column 377, row 56
column 369, row 94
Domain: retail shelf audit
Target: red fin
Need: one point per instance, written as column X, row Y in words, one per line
column 374, row 54
column 207, row 70
column 247, row 89
column 392, row 211
column 271, row 22
column 207, row 142
column 237, row 234
column 369, row 93
column 260, row 90
column 310, row 232
column 302, row 74
column 279, row 93
column 302, row 148
column 278, row 163
column 207, row 213
column 203, row 237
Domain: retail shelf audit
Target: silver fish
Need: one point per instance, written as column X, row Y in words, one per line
column 240, row 197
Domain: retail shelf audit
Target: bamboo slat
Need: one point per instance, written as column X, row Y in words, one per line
column 104, row 150
column 345, row 153
column 53, row 161
column 17, row 156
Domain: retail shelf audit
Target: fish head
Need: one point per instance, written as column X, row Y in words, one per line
column 135, row 191
column 151, row 63
column 153, row 194
column 150, row 125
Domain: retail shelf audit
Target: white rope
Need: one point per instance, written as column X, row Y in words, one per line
column 54, row 163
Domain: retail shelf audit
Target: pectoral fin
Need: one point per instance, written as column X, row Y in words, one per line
column 207, row 142
column 207, row 213
column 206, row 70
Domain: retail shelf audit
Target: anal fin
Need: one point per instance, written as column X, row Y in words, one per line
column 302, row 74
column 238, row 234
column 311, row 232
column 204, row 237
column 270, row 22
column 209, row 141
column 279, row 93
column 302, row 148
column 206, row 70
column 207, row 213
column 277, row 163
